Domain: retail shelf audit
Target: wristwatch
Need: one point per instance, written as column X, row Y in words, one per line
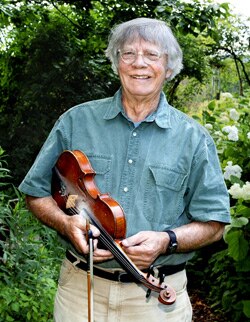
column 172, row 246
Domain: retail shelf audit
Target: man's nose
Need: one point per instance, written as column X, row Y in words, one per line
column 140, row 60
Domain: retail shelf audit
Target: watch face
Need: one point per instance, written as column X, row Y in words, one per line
column 172, row 248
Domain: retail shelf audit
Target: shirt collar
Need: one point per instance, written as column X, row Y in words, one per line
column 161, row 116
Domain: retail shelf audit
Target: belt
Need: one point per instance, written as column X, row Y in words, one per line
column 120, row 276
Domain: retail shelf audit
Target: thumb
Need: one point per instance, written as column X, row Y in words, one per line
column 125, row 243
column 131, row 241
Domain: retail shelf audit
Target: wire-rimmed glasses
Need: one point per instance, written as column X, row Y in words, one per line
column 130, row 56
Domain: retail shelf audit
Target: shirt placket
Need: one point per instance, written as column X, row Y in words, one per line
column 128, row 175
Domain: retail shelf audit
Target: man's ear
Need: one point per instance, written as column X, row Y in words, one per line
column 168, row 73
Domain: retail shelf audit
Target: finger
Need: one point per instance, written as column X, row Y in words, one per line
column 80, row 243
column 131, row 241
column 102, row 252
column 101, row 259
column 101, row 255
column 95, row 231
column 82, row 223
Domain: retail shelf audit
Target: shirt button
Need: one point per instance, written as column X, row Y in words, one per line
column 130, row 161
column 125, row 189
column 134, row 133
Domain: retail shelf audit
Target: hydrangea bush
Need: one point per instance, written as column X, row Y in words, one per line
column 228, row 121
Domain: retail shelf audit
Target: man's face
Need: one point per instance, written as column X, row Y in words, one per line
column 142, row 77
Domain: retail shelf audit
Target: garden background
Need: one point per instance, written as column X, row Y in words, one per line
column 51, row 58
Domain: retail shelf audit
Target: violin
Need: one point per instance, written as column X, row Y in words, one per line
column 75, row 191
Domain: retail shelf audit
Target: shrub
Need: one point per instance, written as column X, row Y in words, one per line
column 30, row 256
column 228, row 121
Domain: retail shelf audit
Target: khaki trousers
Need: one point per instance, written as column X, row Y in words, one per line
column 117, row 302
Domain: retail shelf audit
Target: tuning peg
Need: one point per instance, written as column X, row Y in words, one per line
column 161, row 278
column 148, row 293
column 150, row 271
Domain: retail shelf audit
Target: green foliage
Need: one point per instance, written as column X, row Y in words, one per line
column 194, row 17
column 30, row 257
column 24, row 304
column 53, row 58
column 232, row 41
column 4, row 171
column 229, row 269
column 50, row 64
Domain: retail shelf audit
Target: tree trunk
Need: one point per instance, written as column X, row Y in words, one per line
column 244, row 70
column 173, row 90
column 238, row 72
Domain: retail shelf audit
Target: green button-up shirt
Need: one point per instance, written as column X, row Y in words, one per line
column 164, row 172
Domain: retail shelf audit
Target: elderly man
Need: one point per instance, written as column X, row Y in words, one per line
column 160, row 165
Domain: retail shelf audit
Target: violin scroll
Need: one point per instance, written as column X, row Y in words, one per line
column 167, row 296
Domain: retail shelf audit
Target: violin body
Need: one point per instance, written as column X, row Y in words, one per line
column 75, row 192
column 73, row 187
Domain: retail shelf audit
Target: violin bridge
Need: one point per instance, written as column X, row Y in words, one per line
column 71, row 201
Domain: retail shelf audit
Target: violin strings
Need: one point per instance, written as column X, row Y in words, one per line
column 122, row 257
column 105, row 238
column 111, row 245
column 108, row 241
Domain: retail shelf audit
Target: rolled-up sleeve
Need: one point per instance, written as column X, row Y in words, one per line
column 37, row 182
column 208, row 199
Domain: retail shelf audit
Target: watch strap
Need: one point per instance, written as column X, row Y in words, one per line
column 172, row 246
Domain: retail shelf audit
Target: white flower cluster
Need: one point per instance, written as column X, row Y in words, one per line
column 208, row 126
column 226, row 95
column 238, row 192
column 232, row 132
column 224, row 117
column 248, row 135
column 232, row 170
column 218, row 133
column 234, row 115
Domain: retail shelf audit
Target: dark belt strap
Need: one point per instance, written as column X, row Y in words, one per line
column 120, row 276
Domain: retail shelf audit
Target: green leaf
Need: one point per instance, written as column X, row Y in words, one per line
column 15, row 307
column 211, row 106
column 237, row 245
column 24, row 297
column 29, row 315
column 235, row 179
column 243, row 211
column 244, row 265
column 239, row 222
column 196, row 117
column 205, row 114
column 246, row 308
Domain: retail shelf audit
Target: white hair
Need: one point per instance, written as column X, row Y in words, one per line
column 151, row 30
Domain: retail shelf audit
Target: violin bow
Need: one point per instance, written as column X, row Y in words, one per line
column 90, row 274
column 75, row 192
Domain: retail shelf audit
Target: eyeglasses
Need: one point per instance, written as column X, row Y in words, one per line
column 130, row 56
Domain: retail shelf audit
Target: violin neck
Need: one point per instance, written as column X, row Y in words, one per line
column 116, row 250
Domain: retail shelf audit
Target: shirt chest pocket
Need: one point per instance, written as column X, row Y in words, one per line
column 164, row 192
column 102, row 166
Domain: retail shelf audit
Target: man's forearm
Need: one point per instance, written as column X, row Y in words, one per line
column 198, row 234
column 47, row 211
